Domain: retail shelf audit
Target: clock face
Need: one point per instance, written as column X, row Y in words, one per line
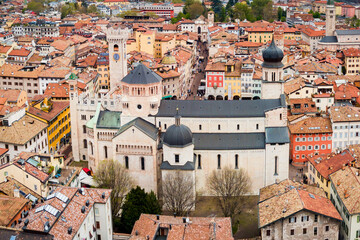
column 116, row 57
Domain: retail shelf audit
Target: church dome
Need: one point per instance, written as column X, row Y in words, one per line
column 168, row 60
column 177, row 135
column 273, row 56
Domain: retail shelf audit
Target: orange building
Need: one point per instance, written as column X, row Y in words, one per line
column 312, row 135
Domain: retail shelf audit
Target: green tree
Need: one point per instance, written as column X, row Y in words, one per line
column 223, row 15
column 258, row 7
column 128, row 13
column 269, row 12
column 283, row 19
column 92, row 9
column 316, row 15
column 36, row 6
column 137, row 202
column 242, row 12
column 195, row 10
column 177, row 1
column 216, row 6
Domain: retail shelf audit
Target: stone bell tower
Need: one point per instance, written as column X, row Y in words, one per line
column 116, row 38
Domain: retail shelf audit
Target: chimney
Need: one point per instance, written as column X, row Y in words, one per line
column 16, row 193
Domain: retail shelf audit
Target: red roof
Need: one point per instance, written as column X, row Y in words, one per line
column 3, row 151
column 20, row 52
column 352, row 52
column 318, row 204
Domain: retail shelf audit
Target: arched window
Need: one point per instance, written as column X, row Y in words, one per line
column 116, row 48
column 126, row 162
column 199, row 161
column 105, row 152
column 276, row 165
column 236, row 161
column 142, row 162
column 273, row 76
column 219, row 161
column 266, row 76
column 84, row 128
column 92, row 149
column 85, row 143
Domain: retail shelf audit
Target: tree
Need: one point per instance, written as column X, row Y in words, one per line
column 36, row 6
column 111, row 174
column 283, row 19
column 195, row 10
column 269, row 12
column 177, row 1
column 228, row 185
column 258, row 7
column 92, row 9
column 67, row 9
column 178, row 193
column 316, row 15
column 128, row 13
column 242, row 12
column 216, row 6
column 138, row 201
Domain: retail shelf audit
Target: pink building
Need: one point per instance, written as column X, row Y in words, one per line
column 348, row 11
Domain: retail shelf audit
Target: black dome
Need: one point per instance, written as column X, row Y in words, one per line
column 273, row 56
column 178, row 136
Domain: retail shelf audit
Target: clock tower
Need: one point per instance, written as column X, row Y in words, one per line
column 116, row 38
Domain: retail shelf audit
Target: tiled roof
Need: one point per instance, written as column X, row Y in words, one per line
column 11, row 184
column 346, row 92
column 10, row 207
column 9, row 70
column 327, row 164
column 347, row 184
column 4, row 49
column 11, row 95
column 317, row 67
column 284, row 205
column 200, row 228
column 20, row 52
column 313, row 33
column 311, row 125
column 352, row 52
column 285, row 186
column 344, row 114
column 68, row 210
column 57, row 108
column 295, row 84
column 21, row 131
column 306, row 106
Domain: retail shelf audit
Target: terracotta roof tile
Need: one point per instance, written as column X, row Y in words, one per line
column 311, row 125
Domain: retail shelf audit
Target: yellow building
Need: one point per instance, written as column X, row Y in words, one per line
column 164, row 43
column 232, row 82
column 145, row 40
column 352, row 61
column 110, row 3
column 338, row 8
column 4, row 51
column 57, row 115
column 321, row 166
column 102, row 67
column 259, row 34
column 319, row 6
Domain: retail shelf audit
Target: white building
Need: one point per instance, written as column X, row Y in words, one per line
column 345, row 125
column 72, row 213
column 22, row 133
column 38, row 28
column 345, row 199
column 137, row 129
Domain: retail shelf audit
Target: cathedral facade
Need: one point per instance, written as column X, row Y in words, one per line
column 152, row 137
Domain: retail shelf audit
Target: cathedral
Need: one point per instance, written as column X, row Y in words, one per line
column 152, row 137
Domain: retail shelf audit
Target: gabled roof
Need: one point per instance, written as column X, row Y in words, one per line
column 285, row 205
column 141, row 124
column 220, row 109
column 141, row 75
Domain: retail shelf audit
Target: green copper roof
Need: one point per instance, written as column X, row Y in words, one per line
column 330, row 2
column 73, row 76
column 108, row 119
column 91, row 122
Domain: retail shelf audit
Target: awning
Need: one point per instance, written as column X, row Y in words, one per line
column 167, row 97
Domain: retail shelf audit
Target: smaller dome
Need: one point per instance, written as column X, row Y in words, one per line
column 178, row 136
column 168, row 60
column 273, row 56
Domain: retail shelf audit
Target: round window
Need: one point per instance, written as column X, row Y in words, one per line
column 139, row 106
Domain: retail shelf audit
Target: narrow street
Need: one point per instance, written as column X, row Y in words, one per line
column 199, row 73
